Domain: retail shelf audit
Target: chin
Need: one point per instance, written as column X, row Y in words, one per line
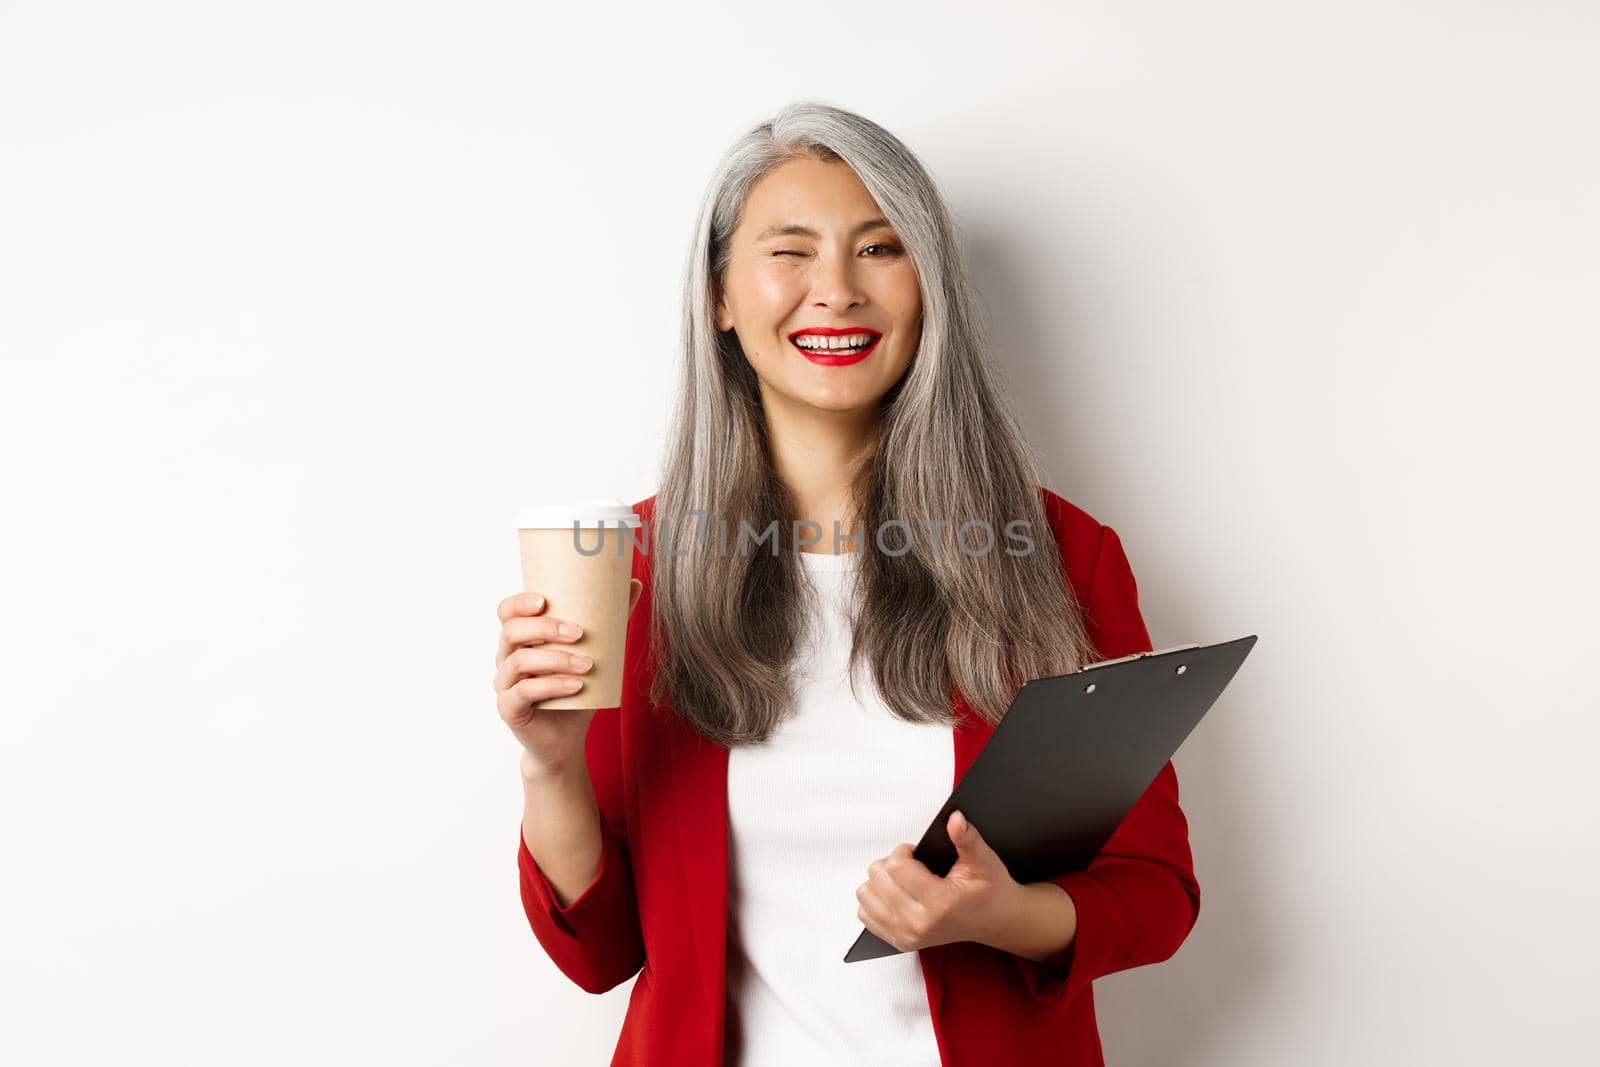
column 840, row 401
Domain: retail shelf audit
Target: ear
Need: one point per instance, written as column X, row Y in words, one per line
column 724, row 314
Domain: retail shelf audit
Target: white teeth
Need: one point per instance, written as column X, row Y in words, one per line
column 857, row 340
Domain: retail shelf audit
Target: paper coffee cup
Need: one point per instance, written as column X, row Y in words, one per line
column 578, row 557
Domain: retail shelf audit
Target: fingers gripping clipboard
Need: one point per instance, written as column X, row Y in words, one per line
column 1071, row 757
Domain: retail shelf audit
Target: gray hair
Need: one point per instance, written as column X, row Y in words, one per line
column 725, row 627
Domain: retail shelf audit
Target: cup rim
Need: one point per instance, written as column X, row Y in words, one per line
column 590, row 513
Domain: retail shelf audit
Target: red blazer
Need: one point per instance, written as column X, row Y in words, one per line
column 660, row 900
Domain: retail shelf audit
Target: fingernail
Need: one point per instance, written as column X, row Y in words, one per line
column 571, row 630
column 538, row 602
column 583, row 663
column 574, row 684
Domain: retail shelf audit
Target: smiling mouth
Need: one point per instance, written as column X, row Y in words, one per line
column 836, row 349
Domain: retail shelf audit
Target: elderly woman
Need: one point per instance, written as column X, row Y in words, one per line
column 790, row 711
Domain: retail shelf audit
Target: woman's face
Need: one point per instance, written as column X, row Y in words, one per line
column 813, row 253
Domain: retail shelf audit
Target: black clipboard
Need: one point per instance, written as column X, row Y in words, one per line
column 1071, row 757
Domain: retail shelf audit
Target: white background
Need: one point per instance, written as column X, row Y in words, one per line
column 301, row 301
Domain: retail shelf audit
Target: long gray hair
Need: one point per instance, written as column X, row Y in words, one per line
column 726, row 626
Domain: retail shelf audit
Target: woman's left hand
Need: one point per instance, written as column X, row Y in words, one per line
column 912, row 908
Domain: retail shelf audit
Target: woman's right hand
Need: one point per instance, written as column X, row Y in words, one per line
column 530, row 670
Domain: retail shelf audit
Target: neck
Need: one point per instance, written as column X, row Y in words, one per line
column 819, row 456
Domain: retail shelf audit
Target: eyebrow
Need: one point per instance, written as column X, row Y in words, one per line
column 795, row 229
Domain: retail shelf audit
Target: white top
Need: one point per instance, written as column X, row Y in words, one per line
column 838, row 786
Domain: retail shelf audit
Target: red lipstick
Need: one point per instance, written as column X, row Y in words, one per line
column 836, row 357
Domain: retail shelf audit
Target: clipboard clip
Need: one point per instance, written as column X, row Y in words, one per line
column 1137, row 655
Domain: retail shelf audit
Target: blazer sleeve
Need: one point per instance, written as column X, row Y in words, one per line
column 596, row 939
column 1138, row 899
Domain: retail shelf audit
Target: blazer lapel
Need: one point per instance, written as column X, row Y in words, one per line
column 698, row 771
column 970, row 734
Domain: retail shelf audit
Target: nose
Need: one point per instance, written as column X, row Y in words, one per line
column 834, row 284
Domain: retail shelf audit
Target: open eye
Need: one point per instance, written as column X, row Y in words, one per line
column 889, row 249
